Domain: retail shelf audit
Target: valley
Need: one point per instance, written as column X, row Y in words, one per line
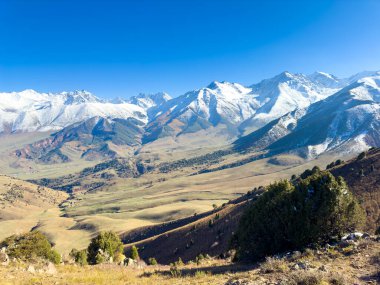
column 173, row 176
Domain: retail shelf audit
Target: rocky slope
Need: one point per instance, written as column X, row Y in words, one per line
column 92, row 138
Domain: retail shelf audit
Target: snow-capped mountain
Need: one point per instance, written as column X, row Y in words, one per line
column 218, row 103
column 29, row 110
column 348, row 121
column 277, row 113
column 327, row 80
column 147, row 101
column 286, row 92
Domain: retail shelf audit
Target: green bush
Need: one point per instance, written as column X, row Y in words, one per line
column 80, row 256
column 152, row 261
column 134, row 253
column 54, row 256
column 288, row 217
column 103, row 247
column 30, row 246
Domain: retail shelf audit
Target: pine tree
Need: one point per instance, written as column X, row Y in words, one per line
column 134, row 253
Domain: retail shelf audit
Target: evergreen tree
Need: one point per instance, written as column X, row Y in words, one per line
column 105, row 246
column 134, row 253
column 288, row 217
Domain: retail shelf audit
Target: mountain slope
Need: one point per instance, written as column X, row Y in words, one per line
column 211, row 232
column 363, row 177
column 347, row 121
column 29, row 110
column 237, row 107
column 147, row 101
column 219, row 103
column 92, row 138
column 22, row 202
column 287, row 92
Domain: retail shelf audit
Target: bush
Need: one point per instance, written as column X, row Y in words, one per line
column 273, row 265
column 134, row 253
column 54, row 257
column 152, row 261
column 199, row 258
column 175, row 271
column 289, row 217
column 29, row 246
column 104, row 247
column 80, row 256
column 305, row 278
column 119, row 258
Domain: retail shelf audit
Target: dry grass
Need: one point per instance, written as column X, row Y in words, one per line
column 273, row 264
column 126, row 204
column 355, row 269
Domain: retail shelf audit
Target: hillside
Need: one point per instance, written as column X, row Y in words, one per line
column 22, row 204
column 207, row 235
column 212, row 233
column 94, row 139
column 363, row 178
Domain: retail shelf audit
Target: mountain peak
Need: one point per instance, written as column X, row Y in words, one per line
column 323, row 74
column 216, row 84
column 147, row 101
column 326, row 79
column 285, row 75
column 79, row 97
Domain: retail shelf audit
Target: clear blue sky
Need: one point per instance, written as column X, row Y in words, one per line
column 120, row 48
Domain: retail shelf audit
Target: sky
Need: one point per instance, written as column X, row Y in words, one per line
column 117, row 48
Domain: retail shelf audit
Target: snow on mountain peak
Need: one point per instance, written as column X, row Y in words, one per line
column 224, row 88
column 361, row 75
column 29, row 110
column 147, row 101
column 79, row 97
column 327, row 80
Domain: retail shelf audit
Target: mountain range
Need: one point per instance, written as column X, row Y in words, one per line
column 307, row 114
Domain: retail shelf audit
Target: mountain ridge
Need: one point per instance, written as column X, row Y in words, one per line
column 268, row 114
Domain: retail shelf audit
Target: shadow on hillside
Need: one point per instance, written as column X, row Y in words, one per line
column 230, row 268
column 372, row 278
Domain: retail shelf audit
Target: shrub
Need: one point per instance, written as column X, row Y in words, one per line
column 174, row 271
column 79, row 256
column 103, row 247
column 134, row 253
column 119, row 258
column 30, row 246
column 201, row 274
column 337, row 280
column 289, row 217
column 305, row 278
column 273, row 265
column 54, row 256
column 152, row 261
column 199, row 258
